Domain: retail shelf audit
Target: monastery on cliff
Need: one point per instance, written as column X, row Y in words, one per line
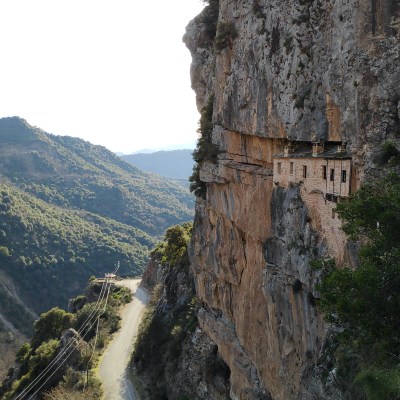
column 320, row 168
column 323, row 173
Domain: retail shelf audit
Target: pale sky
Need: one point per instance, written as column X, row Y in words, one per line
column 113, row 72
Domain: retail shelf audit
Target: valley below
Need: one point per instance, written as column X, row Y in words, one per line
column 70, row 210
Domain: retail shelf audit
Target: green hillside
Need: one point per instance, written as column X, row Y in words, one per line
column 69, row 210
column 48, row 250
column 73, row 173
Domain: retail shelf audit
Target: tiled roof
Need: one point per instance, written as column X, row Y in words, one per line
column 328, row 153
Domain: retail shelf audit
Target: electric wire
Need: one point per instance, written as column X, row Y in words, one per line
column 92, row 355
column 81, row 329
column 95, row 339
column 84, row 325
column 66, row 358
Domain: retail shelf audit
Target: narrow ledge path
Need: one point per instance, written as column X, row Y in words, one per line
column 113, row 366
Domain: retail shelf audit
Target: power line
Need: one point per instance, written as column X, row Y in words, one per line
column 66, row 358
column 91, row 357
column 95, row 339
column 81, row 329
column 39, row 377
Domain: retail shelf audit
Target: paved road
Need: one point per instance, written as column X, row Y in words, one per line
column 113, row 367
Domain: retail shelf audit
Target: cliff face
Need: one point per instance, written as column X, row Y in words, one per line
column 300, row 71
column 173, row 358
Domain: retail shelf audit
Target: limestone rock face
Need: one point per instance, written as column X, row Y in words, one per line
column 188, row 366
column 309, row 70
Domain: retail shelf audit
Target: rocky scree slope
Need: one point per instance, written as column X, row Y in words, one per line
column 299, row 71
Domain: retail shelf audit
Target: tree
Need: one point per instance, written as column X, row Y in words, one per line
column 23, row 352
column 173, row 250
column 43, row 355
column 4, row 251
column 50, row 325
column 205, row 150
column 365, row 302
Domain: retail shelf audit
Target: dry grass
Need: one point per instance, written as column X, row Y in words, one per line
column 63, row 393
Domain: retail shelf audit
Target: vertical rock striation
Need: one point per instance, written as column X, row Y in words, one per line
column 300, row 71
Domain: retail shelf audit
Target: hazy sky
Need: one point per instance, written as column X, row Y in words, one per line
column 113, row 72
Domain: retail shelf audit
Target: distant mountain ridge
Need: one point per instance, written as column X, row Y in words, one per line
column 175, row 164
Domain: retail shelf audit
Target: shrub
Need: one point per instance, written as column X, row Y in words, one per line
column 365, row 302
column 64, row 393
column 4, row 251
column 206, row 150
column 50, row 325
column 226, row 34
column 209, row 18
column 257, row 10
column 379, row 384
column 173, row 250
column 43, row 355
column 23, row 353
column 390, row 152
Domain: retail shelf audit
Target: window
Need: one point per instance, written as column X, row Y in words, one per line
column 344, row 175
column 333, row 213
column 304, row 171
column 324, row 172
column 331, row 197
column 332, row 176
column 291, row 168
column 279, row 167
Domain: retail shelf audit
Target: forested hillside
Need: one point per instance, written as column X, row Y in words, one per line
column 71, row 172
column 69, row 210
column 49, row 250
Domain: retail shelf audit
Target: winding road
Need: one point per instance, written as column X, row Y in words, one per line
column 113, row 366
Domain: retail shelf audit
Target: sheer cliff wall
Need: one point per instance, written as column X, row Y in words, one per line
column 297, row 70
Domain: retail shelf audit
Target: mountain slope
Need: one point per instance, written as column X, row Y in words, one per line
column 175, row 164
column 42, row 243
column 70, row 172
column 69, row 210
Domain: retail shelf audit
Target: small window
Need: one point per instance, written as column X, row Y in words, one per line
column 332, row 177
column 324, row 172
column 333, row 213
column 331, row 197
column 279, row 167
column 344, row 175
column 304, row 171
column 291, row 168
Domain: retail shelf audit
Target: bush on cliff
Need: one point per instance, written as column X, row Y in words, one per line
column 173, row 250
column 365, row 302
column 209, row 18
column 206, row 150
column 226, row 34
column 51, row 325
column 167, row 322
